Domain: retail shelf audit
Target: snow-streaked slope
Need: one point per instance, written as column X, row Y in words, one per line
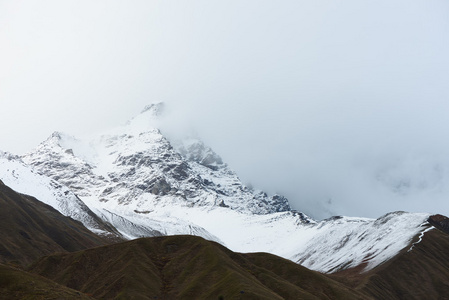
column 134, row 178
column 342, row 243
column 327, row 246
column 15, row 174
column 137, row 224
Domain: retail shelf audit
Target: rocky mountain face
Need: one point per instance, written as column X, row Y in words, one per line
column 134, row 182
column 139, row 165
column 132, row 171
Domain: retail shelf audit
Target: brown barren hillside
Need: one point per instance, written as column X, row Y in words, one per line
column 186, row 267
column 18, row 284
column 30, row 229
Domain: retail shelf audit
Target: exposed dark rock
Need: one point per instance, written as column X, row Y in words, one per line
column 160, row 187
column 222, row 204
column 280, row 203
column 439, row 221
column 302, row 217
column 180, row 171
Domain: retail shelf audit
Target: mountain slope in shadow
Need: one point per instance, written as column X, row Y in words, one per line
column 186, row 267
column 30, row 229
column 18, row 284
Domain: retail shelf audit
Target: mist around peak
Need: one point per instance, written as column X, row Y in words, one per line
column 342, row 107
column 154, row 109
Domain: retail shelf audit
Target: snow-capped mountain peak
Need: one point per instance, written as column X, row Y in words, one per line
column 144, row 184
column 138, row 166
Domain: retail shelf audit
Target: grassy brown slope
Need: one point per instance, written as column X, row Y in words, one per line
column 120, row 270
column 17, row 284
column 422, row 273
column 30, row 229
column 277, row 273
column 186, row 267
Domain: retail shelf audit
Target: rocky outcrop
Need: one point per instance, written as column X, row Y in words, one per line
column 439, row 221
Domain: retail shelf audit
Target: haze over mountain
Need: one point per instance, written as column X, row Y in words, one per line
column 340, row 106
column 133, row 181
column 293, row 149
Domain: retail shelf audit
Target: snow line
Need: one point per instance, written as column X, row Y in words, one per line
column 420, row 237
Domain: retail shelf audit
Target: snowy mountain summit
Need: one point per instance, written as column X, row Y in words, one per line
column 133, row 181
column 137, row 166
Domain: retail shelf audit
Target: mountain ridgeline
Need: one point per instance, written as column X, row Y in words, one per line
column 188, row 267
column 69, row 206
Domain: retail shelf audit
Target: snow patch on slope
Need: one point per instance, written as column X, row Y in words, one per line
column 342, row 243
column 15, row 174
column 421, row 235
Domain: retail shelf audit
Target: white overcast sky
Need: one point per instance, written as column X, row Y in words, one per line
column 342, row 106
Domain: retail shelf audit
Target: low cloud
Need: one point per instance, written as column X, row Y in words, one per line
column 340, row 106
